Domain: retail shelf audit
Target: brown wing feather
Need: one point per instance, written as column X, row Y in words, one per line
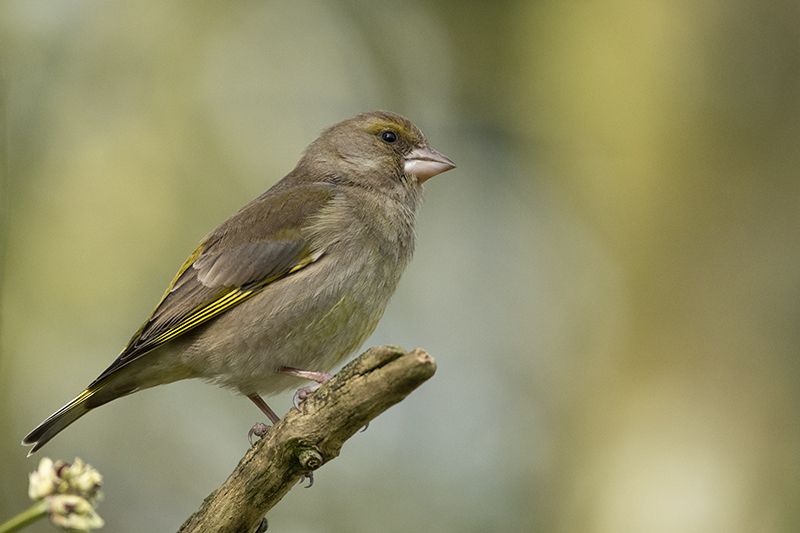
column 264, row 241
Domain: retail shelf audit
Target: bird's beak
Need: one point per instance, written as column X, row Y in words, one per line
column 425, row 163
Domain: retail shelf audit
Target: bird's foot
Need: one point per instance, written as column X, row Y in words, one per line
column 259, row 429
column 308, row 476
column 303, row 393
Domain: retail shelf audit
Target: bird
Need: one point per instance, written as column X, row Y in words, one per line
column 292, row 284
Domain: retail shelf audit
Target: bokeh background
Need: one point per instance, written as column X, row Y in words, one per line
column 609, row 282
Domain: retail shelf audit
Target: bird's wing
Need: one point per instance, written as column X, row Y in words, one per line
column 265, row 241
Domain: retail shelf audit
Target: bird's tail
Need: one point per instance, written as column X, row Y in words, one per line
column 82, row 404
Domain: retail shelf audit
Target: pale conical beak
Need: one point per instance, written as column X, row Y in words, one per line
column 425, row 163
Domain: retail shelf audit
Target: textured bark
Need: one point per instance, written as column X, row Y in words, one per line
column 306, row 439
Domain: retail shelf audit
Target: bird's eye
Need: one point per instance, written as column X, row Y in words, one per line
column 388, row 136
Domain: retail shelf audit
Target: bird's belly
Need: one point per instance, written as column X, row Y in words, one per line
column 312, row 320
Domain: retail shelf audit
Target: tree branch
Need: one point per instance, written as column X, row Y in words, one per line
column 304, row 440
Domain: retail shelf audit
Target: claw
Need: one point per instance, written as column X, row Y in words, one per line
column 262, row 527
column 310, row 477
column 303, row 393
column 259, row 429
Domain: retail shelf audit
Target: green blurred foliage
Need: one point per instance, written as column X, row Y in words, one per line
column 609, row 281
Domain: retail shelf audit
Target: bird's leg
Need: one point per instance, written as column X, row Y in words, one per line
column 311, row 375
column 261, row 404
column 260, row 428
column 321, row 378
column 302, row 393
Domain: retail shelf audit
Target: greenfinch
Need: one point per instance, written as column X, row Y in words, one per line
column 292, row 284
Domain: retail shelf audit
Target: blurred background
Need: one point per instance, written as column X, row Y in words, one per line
column 609, row 281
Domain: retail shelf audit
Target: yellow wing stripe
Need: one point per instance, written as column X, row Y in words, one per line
column 200, row 316
column 85, row 395
column 78, row 400
column 225, row 302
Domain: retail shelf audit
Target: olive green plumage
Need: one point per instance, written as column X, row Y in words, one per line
column 298, row 278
